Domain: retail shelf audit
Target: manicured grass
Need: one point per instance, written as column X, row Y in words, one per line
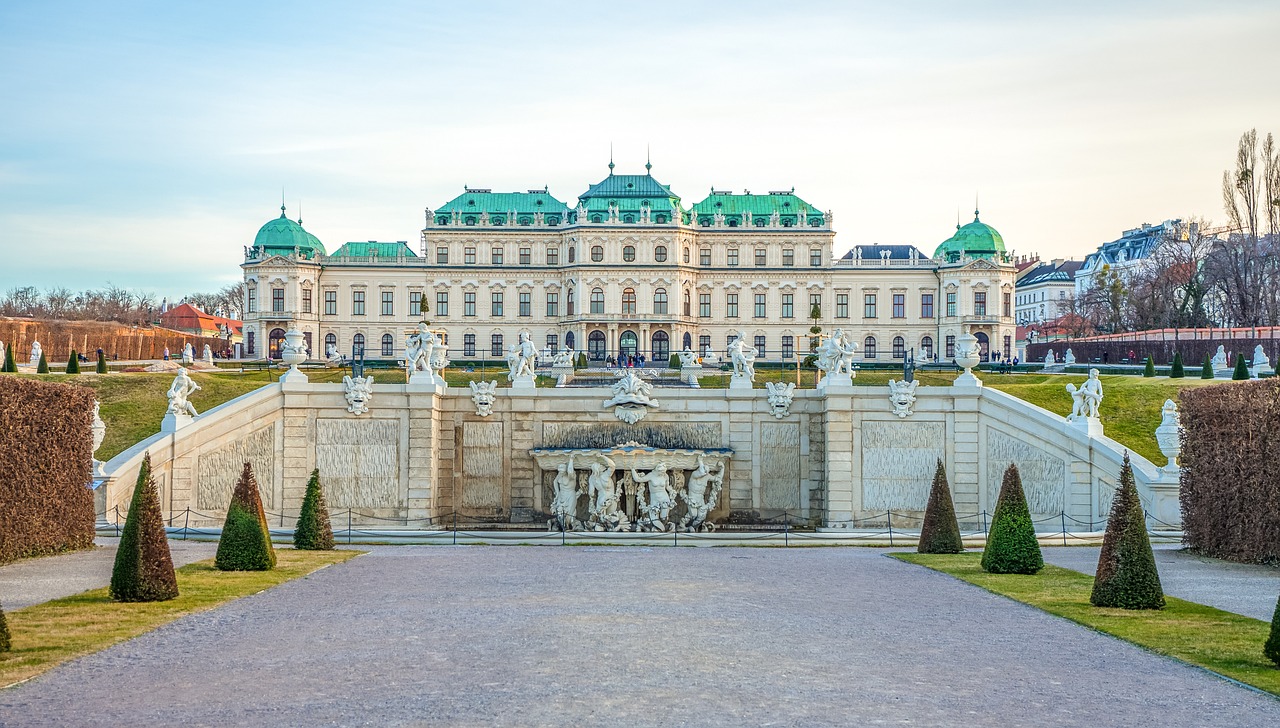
column 1226, row 643
column 46, row 635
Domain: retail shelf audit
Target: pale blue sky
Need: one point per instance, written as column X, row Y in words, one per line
column 144, row 143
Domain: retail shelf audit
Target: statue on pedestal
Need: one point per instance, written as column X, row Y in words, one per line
column 603, row 492
column 418, row 350
column 656, row 508
column 564, row 499
column 1086, row 399
column 188, row 354
column 180, row 394
column 835, row 355
column 522, row 359
column 1220, row 358
column 743, row 358
column 701, row 496
column 36, row 352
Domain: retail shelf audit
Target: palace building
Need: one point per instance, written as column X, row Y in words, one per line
column 628, row 269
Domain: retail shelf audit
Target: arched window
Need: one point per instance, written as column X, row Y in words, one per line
column 686, row 255
column 597, row 300
column 660, row 219
column 596, row 345
column 660, row 300
column 597, row 253
column 926, row 347
column 688, row 303
column 661, row 346
column 629, row 219
column 495, row 345
column 869, row 347
column 568, row 298
column 568, row 340
column 629, row 343
column 330, row 343
column 573, row 253
column 660, row 253
column 899, row 348
column 274, row 340
column 628, row 300
column 357, row 346
column 688, row 341
column 984, row 345
column 629, row 253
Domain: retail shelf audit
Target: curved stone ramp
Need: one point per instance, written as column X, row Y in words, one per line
column 632, row 636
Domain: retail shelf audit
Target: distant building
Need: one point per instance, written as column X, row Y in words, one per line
column 189, row 319
column 1124, row 253
column 1044, row 290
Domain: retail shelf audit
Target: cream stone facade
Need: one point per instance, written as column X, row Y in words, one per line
column 628, row 271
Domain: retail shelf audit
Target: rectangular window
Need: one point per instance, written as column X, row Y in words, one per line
column 704, row 344
column 731, row 305
column 252, row 304
column 553, row 342
column 815, row 257
column 468, row 344
column 1008, row 348
column 277, row 300
column 979, row 303
column 415, row 304
column 788, row 305
column 732, row 259
column 704, row 305
column 760, row 306
column 306, row 300
column 788, row 347
column 788, row 257
column 842, row 305
column 553, row 256
column 442, row 304
column 926, row 305
column 951, row 347
column 553, row 304
column 469, row 303
column 442, row 255
column 357, row 303
column 330, row 303
column 761, row 257
column 526, row 304
column 815, row 301
column 704, row 257
column 495, row 345
column 951, row 308
column 760, row 347
column 869, row 305
column 469, row 256
column 388, row 303
column 495, row 304
column 899, row 305
column 1006, row 305
column 526, row 256
column 496, row 256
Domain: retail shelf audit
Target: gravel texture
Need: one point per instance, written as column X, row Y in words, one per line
column 511, row 636
column 1248, row 589
column 32, row 581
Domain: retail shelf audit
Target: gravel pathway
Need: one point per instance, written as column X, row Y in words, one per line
column 512, row 636
column 32, row 581
column 1247, row 589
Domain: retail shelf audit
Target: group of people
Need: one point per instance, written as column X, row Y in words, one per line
column 625, row 360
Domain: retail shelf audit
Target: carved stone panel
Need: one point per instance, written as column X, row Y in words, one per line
column 482, row 465
column 359, row 462
column 1044, row 476
column 898, row 462
column 678, row 435
column 218, row 470
column 780, row 465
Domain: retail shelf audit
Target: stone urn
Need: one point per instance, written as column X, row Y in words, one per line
column 1169, row 434
column 293, row 352
column 968, row 355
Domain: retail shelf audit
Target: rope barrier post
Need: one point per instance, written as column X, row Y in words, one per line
column 984, row 524
column 348, row 526
column 455, row 527
column 888, row 516
column 562, row 533
column 786, row 529
column 117, row 509
column 1064, row 528
column 186, row 523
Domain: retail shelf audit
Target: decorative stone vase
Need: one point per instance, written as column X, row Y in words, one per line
column 293, row 352
column 968, row 355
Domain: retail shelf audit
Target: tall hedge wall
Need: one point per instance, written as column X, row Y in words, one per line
column 46, row 460
column 1231, row 470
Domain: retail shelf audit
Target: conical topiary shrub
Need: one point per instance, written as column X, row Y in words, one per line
column 42, row 367
column 143, row 570
column 940, row 533
column 582, row 361
column 673, row 362
column 1011, row 544
column 1272, row 646
column 10, row 365
column 73, row 363
column 1127, row 577
column 1241, row 372
column 102, row 362
column 314, row 531
column 1176, row 371
column 6, row 641
column 245, row 544
column 1150, row 369
column 1206, row 369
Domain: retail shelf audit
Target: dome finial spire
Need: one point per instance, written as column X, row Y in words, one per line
column 975, row 207
column 648, row 164
column 610, row 159
column 299, row 210
column 282, row 202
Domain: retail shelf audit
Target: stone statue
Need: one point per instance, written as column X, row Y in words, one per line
column 188, row 354
column 513, row 361
column 1069, row 358
column 418, row 349
column 835, row 355
column 563, row 359
column 180, row 394
column 332, row 357
column 603, row 493
column 902, row 395
column 1261, row 361
column 1220, row 358
column 36, row 352
column 208, row 355
column 564, row 499
column 1169, row 434
column 780, row 397
column 687, row 358
column 743, row 358
column 1049, row 359
column 522, row 359
column 483, row 394
column 701, row 496
column 358, row 390
column 656, row 508
column 632, row 396
column 98, row 428
column 1086, row 399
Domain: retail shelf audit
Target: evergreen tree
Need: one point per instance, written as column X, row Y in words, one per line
column 43, row 366
column 102, row 362
column 6, row 639
column 1176, row 371
column 1127, row 577
column 10, row 365
column 143, row 570
column 940, row 533
column 582, row 361
column 1206, row 370
column 1242, row 370
column 1011, row 544
column 73, row 363
column 1150, row 369
column 1272, row 646
column 245, row 544
column 674, row 361
column 314, row 531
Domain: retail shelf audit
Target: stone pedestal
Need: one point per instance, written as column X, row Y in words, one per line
column 836, row 380
column 524, row 383
column 689, row 375
column 566, row 372
column 421, row 379
column 173, row 423
column 1090, row 425
column 739, row 382
column 967, row 379
column 293, row 378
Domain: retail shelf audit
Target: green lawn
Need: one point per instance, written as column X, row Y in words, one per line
column 1226, row 643
column 46, row 635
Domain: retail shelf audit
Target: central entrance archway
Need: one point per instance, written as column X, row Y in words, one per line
column 597, row 348
column 661, row 346
column 274, row 340
column 984, row 345
column 628, row 343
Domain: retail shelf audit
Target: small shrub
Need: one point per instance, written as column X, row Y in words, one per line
column 582, row 361
column 6, row 641
column 1206, row 370
column 245, row 544
column 1127, row 577
column 1271, row 648
column 1150, row 369
column 143, row 570
column 940, row 533
column 1011, row 544
column 1176, row 371
column 1241, row 372
column 314, row 532
column 43, row 366
column 73, row 363
column 10, row 365
column 102, row 362
column 673, row 362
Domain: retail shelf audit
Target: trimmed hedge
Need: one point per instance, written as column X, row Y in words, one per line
column 1230, row 494
column 1271, row 648
column 1011, row 545
column 245, row 544
column 1206, row 369
column 1177, row 371
column 73, row 363
column 46, row 456
column 42, row 367
column 10, row 365
column 6, row 640
column 1150, row 369
column 1127, row 577
column 940, row 533
column 1241, row 372
column 102, row 362
column 314, row 532
column 143, row 569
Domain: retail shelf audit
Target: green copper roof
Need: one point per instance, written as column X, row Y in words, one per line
column 375, row 250
column 500, row 206
column 629, row 193
column 735, row 207
column 282, row 236
column 975, row 240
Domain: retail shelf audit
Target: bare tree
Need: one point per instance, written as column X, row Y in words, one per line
column 1239, row 265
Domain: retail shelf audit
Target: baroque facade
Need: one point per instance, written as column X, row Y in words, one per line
column 628, row 270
